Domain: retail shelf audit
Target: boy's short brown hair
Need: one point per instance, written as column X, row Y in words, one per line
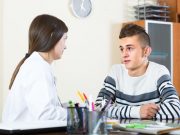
column 131, row 30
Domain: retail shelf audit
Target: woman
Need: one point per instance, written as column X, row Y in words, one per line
column 33, row 94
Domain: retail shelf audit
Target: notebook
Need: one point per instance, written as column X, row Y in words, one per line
column 33, row 127
column 149, row 127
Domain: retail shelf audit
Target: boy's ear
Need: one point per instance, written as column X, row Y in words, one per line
column 147, row 51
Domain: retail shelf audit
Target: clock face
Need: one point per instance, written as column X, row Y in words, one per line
column 81, row 8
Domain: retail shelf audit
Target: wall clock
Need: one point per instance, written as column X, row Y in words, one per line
column 81, row 8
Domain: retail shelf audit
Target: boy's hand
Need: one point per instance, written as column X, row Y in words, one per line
column 148, row 111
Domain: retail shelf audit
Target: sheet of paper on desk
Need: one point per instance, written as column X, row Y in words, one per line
column 32, row 125
column 176, row 132
column 148, row 128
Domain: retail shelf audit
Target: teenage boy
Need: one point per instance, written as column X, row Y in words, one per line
column 138, row 88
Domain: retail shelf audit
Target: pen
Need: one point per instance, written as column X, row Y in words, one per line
column 90, row 103
column 80, row 114
column 97, row 126
column 86, row 99
column 107, row 105
column 71, row 104
column 93, row 108
column 136, row 125
column 81, row 97
column 71, row 110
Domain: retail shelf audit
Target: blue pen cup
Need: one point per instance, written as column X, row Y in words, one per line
column 77, row 120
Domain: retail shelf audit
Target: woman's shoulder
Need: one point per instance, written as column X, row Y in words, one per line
column 35, row 64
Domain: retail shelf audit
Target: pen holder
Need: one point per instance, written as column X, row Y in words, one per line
column 77, row 120
column 97, row 123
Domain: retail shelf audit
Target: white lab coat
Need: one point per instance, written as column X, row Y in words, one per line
column 33, row 95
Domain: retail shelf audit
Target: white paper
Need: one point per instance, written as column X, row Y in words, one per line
column 32, row 125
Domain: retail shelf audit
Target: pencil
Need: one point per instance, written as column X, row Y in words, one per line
column 81, row 96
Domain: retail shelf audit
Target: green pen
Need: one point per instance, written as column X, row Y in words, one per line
column 136, row 125
column 71, row 104
column 71, row 108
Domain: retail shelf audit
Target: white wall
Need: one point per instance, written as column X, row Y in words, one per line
column 92, row 45
column 1, row 68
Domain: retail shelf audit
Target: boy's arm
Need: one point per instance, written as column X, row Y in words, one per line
column 108, row 93
column 169, row 101
column 116, row 111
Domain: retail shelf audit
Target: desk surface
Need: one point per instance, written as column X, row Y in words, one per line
column 177, row 122
column 115, row 133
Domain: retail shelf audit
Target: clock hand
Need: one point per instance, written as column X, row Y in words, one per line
column 82, row 6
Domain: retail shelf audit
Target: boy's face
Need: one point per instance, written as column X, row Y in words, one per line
column 133, row 56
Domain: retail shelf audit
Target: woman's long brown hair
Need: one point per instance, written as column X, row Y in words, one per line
column 44, row 32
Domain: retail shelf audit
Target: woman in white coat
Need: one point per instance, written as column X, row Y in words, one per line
column 32, row 91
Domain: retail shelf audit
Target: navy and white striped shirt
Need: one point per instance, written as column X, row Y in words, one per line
column 129, row 93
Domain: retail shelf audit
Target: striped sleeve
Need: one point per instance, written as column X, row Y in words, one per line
column 108, row 92
column 169, row 100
